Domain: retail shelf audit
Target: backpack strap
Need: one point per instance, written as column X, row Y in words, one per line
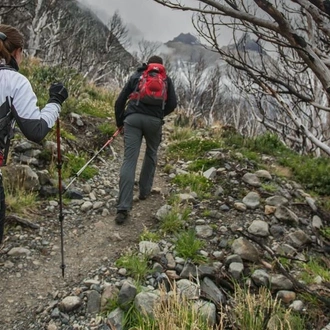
column 8, row 123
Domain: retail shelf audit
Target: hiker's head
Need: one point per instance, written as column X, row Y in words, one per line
column 155, row 59
column 11, row 43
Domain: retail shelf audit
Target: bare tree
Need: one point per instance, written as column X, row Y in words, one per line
column 8, row 6
column 296, row 35
column 146, row 49
column 118, row 33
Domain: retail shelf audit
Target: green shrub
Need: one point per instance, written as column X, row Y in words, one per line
column 107, row 129
column 135, row 264
column 73, row 165
column 267, row 143
column 310, row 171
column 325, row 232
column 181, row 133
column 149, row 236
column 172, row 222
column 197, row 183
column 313, row 268
column 188, row 246
column 191, row 149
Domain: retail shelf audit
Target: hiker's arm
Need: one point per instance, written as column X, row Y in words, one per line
column 33, row 123
column 171, row 102
column 120, row 103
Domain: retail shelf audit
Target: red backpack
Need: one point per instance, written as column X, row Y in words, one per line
column 152, row 86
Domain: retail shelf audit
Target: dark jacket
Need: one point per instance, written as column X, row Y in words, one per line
column 122, row 109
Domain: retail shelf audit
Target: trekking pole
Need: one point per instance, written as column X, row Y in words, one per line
column 59, row 167
column 83, row 168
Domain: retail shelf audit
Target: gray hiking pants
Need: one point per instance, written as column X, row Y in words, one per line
column 137, row 126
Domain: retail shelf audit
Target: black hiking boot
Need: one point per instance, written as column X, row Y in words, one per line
column 121, row 217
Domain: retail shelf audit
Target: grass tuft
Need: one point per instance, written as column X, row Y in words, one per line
column 188, row 246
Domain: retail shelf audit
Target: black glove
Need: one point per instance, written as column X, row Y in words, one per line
column 57, row 93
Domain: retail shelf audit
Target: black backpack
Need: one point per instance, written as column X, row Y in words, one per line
column 7, row 123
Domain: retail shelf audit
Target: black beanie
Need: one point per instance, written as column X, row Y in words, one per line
column 155, row 59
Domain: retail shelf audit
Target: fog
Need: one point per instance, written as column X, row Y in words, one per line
column 145, row 18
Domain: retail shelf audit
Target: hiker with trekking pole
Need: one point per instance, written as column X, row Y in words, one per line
column 18, row 103
column 147, row 97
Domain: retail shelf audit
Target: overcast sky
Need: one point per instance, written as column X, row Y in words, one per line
column 150, row 20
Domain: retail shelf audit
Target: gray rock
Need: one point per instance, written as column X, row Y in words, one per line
column 260, row 277
column 276, row 200
column 207, row 310
column 86, row 206
column 233, row 258
column 116, row 318
column 252, row 200
column 298, row 238
column 263, row 174
column 317, row 222
column 245, row 249
column 145, row 302
column 297, row 305
column 284, row 214
column 126, row 294
column 286, row 250
column 188, row 289
column 163, row 212
column 251, row 179
column 277, row 231
column 210, row 173
column 212, row 292
column 149, row 248
column 259, row 228
column 93, row 302
column 19, row 251
column 311, row 202
column 204, row 231
column 280, row 282
column 236, row 269
column 70, row 303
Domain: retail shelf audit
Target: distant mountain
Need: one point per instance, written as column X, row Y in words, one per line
column 246, row 43
column 186, row 47
column 185, row 38
column 206, row 83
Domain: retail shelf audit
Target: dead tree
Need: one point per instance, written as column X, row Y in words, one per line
column 294, row 35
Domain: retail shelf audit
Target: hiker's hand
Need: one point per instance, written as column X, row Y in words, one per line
column 57, row 93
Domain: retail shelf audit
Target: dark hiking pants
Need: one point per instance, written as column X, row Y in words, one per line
column 2, row 209
column 137, row 126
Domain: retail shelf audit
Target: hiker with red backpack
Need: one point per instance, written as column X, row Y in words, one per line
column 18, row 102
column 145, row 100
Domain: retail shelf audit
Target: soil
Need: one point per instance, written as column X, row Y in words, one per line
column 93, row 242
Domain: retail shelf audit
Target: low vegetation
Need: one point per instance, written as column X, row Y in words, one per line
column 188, row 246
column 136, row 265
column 310, row 171
column 259, row 311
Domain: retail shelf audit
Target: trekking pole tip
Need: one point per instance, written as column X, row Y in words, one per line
column 63, row 268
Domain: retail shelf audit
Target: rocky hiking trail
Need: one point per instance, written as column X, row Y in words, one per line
column 32, row 276
column 244, row 228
